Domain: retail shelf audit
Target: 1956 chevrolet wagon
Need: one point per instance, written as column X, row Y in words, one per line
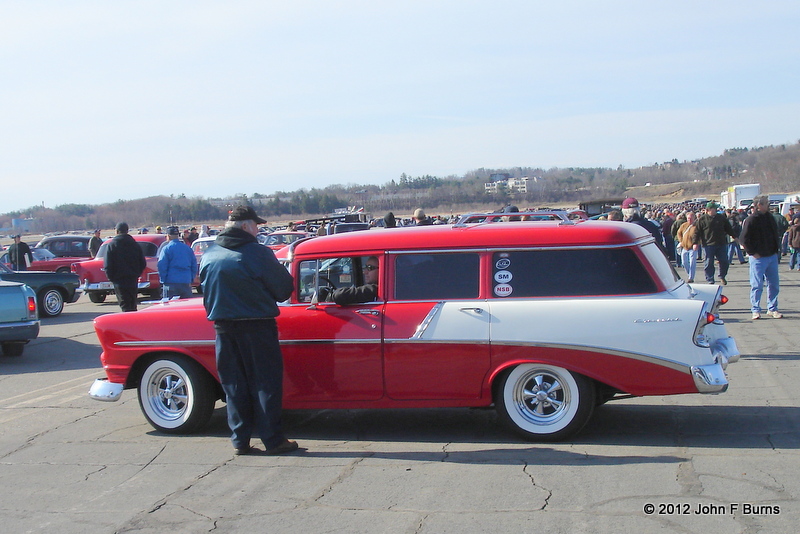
column 543, row 320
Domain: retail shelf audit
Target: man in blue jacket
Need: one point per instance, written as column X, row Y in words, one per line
column 177, row 266
column 242, row 285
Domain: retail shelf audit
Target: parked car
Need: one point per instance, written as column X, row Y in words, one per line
column 544, row 320
column 52, row 290
column 281, row 238
column 67, row 246
column 19, row 322
column 44, row 260
column 95, row 283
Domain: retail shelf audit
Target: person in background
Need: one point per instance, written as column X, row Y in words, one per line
column 762, row 242
column 177, row 266
column 690, row 243
column 389, row 221
column 420, row 219
column 794, row 243
column 631, row 213
column 19, row 254
column 124, row 263
column 94, row 243
column 242, row 285
column 714, row 228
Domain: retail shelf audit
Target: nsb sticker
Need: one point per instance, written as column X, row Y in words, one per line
column 502, row 290
column 502, row 263
column 503, row 277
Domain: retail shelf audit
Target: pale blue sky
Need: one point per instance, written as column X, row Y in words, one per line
column 105, row 100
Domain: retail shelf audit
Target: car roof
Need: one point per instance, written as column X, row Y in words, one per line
column 485, row 235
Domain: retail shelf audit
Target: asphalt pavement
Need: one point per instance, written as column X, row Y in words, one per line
column 684, row 464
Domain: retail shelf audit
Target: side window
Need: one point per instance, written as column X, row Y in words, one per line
column 78, row 246
column 149, row 249
column 574, row 273
column 334, row 273
column 437, row 276
column 59, row 246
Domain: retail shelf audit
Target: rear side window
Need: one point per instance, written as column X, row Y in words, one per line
column 437, row 276
column 569, row 273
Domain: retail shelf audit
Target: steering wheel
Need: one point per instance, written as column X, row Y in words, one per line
column 327, row 281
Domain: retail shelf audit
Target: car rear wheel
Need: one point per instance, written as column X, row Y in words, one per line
column 51, row 302
column 97, row 297
column 544, row 402
column 13, row 349
column 176, row 395
column 63, row 270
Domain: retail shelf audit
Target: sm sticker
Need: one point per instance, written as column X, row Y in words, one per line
column 503, row 277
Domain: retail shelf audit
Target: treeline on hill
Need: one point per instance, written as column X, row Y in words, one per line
column 776, row 168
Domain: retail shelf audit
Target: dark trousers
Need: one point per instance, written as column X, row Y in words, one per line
column 127, row 289
column 719, row 253
column 250, row 368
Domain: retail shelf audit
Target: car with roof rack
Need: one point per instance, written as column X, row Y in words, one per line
column 543, row 320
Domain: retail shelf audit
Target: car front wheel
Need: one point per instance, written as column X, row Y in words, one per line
column 51, row 302
column 545, row 402
column 176, row 395
column 97, row 297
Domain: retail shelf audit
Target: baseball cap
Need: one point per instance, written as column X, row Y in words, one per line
column 630, row 202
column 245, row 213
column 122, row 228
column 173, row 230
column 712, row 205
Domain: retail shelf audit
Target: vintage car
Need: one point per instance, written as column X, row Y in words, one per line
column 44, row 260
column 19, row 322
column 67, row 246
column 279, row 239
column 52, row 290
column 544, row 320
column 93, row 276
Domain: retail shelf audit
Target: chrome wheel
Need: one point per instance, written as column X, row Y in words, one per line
column 176, row 395
column 545, row 402
column 51, row 302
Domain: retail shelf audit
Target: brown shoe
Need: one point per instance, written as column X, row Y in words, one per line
column 286, row 446
column 245, row 451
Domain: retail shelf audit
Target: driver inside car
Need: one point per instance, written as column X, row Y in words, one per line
column 356, row 294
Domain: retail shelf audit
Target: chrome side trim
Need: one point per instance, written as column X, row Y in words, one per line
column 427, row 320
column 145, row 343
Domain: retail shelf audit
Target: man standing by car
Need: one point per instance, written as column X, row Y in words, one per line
column 124, row 263
column 713, row 227
column 177, row 266
column 242, row 284
column 761, row 239
column 94, row 243
column 19, row 254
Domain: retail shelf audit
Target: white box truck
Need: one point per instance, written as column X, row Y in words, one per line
column 739, row 196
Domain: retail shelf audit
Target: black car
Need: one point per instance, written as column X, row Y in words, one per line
column 52, row 290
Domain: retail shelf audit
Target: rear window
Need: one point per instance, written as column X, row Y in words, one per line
column 569, row 273
column 437, row 276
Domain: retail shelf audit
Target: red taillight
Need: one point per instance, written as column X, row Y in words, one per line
column 723, row 299
column 32, row 305
column 710, row 317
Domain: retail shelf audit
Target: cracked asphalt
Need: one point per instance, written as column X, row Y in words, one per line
column 724, row 463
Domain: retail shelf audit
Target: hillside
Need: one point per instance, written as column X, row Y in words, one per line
column 776, row 168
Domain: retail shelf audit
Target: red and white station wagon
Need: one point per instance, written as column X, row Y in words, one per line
column 543, row 320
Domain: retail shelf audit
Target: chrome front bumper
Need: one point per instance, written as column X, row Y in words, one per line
column 106, row 391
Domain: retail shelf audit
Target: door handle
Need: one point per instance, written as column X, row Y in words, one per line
column 368, row 312
column 476, row 310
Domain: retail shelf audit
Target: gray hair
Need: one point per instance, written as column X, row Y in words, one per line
column 234, row 224
column 762, row 200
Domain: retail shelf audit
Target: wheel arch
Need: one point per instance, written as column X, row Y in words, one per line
column 497, row 377
column 141, row 363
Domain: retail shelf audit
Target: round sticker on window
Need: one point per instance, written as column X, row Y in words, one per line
column 503, row 277
column 502, row 263
column 502, row 290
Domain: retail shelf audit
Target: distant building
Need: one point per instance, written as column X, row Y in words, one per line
column 512, row 185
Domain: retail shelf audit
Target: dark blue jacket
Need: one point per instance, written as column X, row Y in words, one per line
column 242, row 279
